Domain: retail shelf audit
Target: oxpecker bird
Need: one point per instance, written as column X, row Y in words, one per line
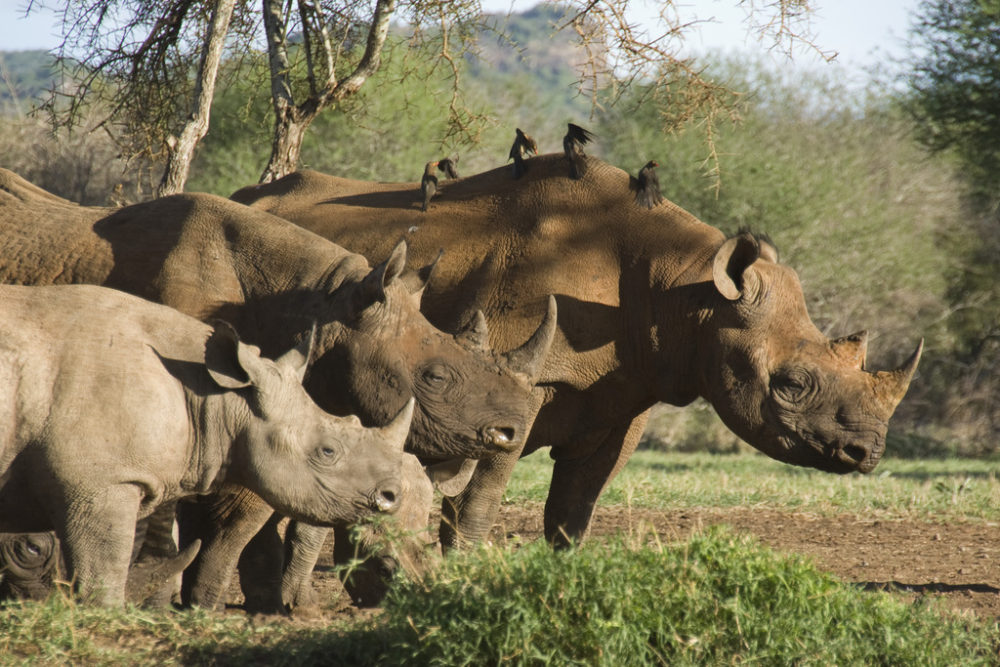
column 447, row 166
column 523, row 144
column 429, row 183
column 647, row 186
column 573, row 143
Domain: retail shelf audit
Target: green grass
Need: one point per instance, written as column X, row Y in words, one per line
column 714, row 599
column 933, row 489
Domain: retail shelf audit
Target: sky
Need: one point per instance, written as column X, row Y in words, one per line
column 862, row 32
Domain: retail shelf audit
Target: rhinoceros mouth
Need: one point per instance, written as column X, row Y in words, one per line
column 834, row 457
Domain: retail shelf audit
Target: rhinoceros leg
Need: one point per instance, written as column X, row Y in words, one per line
column 260, row 570
column 97, row 534
column 578, row 482
column 303, row 545
column 225, row 522
column 468, row 517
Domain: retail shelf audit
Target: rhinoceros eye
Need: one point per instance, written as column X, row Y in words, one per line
column 328, row 455
column 792, row 385
column 436, row 375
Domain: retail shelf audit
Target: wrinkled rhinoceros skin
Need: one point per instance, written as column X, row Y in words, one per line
column 116, row 405
column 208, row 257
column 654, row 305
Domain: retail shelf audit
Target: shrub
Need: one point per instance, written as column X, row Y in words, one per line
column 715, row 599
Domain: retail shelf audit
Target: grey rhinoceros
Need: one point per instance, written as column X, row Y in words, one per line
column 113, row 405
column 654, row 305
column 209, row 257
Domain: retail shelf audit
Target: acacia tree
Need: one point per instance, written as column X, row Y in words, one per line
column 150, row 68
column 154, row 63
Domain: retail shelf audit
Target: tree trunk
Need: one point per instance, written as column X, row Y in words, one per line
column 286, row 143
column 292, row 120
column 181, row 149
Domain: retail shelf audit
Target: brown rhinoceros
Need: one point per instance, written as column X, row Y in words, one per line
column 114, row 405
column 654, row 305
column 210, row 257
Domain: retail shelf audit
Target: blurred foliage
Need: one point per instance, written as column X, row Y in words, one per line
column 951, row 77
column 24, row 77
column 950, row 80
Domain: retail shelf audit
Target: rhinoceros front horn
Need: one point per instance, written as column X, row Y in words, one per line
column 891, row 386
column 530, row 357
column 396, row 431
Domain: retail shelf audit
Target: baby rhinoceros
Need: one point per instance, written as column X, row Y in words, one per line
column 111, row 405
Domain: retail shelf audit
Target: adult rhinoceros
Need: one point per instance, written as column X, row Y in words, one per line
column 114, row 406
column 654, row 305
column 209, row 257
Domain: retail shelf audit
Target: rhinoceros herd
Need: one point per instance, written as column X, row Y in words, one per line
column 279, row 374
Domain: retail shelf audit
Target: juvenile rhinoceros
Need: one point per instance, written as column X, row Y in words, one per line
column 654, row 305
column 209, row 257
column 113, row 405
column 29, row 565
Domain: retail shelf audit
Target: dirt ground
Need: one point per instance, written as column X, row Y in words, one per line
column 957, row 562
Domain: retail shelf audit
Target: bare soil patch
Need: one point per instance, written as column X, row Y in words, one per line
column 957, row 562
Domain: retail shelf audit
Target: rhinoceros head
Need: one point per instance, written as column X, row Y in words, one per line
column 29, row 565
column 778, row 382
column 303, row 461
column 471, row 402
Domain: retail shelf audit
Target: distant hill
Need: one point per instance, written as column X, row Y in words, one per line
column 24, row 77
column 534, row 55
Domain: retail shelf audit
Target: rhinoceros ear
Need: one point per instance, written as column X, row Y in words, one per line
column 416, row 281
column 731, row 262
column 298, row 357
column 451, row 476
column 374, row 284
column 226, row 357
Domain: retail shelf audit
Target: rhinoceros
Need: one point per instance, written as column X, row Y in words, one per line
column 654, row 306
column 114, row 405
column 29, row 565
column 209, row 257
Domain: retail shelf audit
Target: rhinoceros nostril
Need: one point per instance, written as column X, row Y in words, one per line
column 500, row 435
column 385, row 500
column 855, row 453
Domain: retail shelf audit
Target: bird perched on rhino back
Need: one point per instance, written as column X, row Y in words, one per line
column 573, row 143
column 428, row 183
column 448, row 166
column 647, row 186
column 523, row 144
